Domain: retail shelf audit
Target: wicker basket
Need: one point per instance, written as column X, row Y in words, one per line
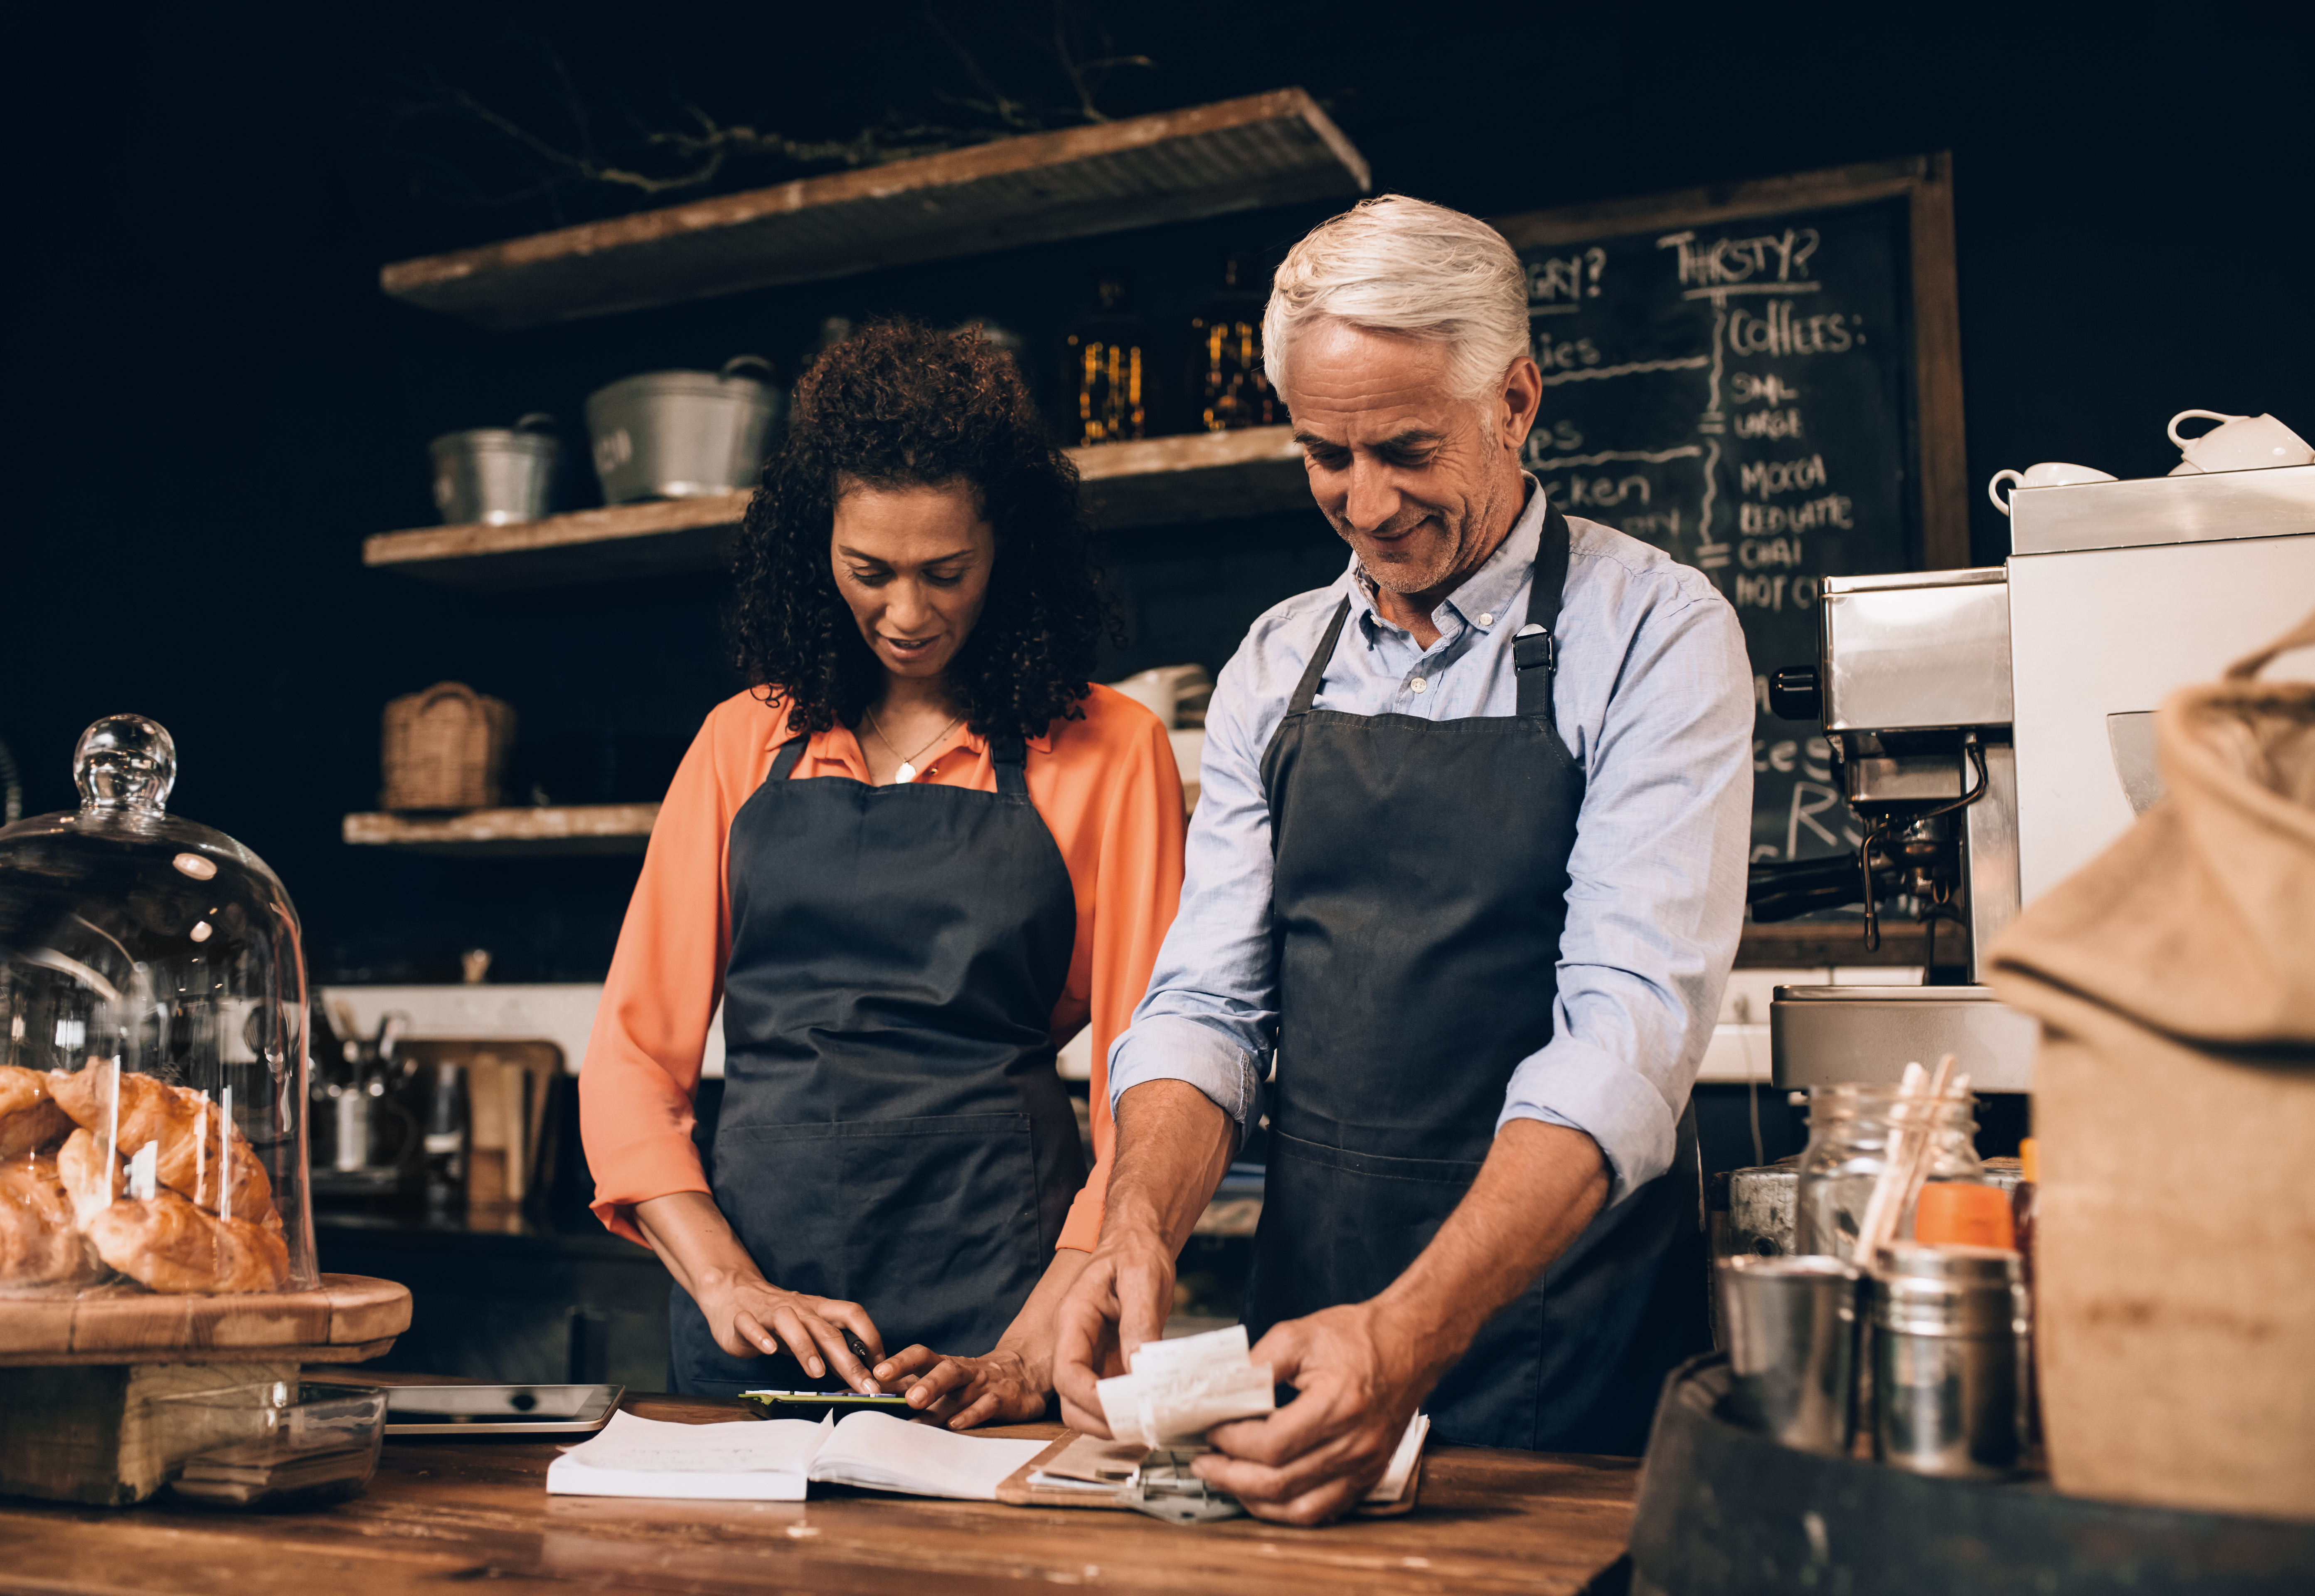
column 445, row 748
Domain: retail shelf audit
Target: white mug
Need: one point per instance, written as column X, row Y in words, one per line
column 2239, row 443
column 2049, row 474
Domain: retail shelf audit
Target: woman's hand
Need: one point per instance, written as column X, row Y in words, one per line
column 749, row 1317
column 1005, row 1387
column 747, row 1314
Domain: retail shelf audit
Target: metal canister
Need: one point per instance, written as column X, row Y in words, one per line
column 496, row 474
column 1947, row 1325
column 1792, row 1348
column 682, row 434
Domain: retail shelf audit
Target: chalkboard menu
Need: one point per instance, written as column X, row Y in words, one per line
column 1748, row 381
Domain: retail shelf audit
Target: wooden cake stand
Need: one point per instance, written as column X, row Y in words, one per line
column 78, row 1377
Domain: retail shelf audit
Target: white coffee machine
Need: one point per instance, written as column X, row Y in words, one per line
column 1993, row 728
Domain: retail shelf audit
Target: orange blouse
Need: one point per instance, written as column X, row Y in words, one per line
column 1107, row 789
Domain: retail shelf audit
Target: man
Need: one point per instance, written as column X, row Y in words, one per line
column 1465, row 884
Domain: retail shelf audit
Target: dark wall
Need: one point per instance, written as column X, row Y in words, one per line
column 208, row 405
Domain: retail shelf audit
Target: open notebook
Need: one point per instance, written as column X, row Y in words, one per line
column 774, row 1459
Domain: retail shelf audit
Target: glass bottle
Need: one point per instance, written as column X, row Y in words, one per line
column 447, row 1125
column 1228, row 388
column 1106, row 370
column 1850, row 1127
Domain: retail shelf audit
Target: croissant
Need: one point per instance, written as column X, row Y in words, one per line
column 31, row 1120
column 184, row 1123
column 39, row 1246
column 82, row 1166
column 172, row 1245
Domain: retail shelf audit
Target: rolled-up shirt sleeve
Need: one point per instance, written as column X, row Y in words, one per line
column 1656, row 896
column 1210, row 1017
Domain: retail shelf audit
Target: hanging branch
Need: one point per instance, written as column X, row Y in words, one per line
column 701, row 148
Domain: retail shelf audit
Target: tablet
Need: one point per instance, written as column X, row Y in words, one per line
column 500, row 1410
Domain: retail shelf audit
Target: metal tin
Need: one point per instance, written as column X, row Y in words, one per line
column 496, row 474
column 1947, row 1332
column 1792, row 1347
column 682, row 434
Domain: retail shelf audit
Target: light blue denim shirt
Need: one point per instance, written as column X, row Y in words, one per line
column 1654, row 697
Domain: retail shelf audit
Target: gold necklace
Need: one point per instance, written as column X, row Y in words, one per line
column 907, row 771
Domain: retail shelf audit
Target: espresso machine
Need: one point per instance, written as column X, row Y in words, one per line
column 1993, row 731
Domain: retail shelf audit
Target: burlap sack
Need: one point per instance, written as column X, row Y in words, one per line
column 2174, row 1101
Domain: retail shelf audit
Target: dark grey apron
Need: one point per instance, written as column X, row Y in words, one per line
column 892, row 1130
column 1421, row 891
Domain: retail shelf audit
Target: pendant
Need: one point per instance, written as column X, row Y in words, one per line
column 906, row 772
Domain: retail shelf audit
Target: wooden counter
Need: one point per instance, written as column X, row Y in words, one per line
column 458, row 1511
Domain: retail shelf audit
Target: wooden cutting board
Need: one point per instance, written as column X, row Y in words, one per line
column 345, row 1319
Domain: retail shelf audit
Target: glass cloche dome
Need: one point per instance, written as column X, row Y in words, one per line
column 152, row 1044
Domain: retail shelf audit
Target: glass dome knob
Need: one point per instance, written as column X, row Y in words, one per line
column 125, row 763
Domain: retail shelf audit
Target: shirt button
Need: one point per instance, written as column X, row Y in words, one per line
column 1487, row 617
column 1418, row 684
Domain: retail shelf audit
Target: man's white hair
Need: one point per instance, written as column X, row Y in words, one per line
column 1392, row 264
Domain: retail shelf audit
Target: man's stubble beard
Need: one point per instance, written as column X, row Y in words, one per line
column 1406, row 582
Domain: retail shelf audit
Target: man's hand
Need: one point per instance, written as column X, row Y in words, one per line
column 1363, row 1368
column 1173, row 1148
column 1001, row 1388
column 1120, row 1301
column 1359, row 1382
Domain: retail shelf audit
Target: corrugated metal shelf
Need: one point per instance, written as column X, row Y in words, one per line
column 1276, row 148
column 573, row 830
column 1154, row 481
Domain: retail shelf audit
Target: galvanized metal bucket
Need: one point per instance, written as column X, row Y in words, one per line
column 682, row 434
column 496, row 474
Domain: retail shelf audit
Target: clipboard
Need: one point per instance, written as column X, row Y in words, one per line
column 1015, row 1491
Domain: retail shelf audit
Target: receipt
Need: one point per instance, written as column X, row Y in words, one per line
column 1179, row 1389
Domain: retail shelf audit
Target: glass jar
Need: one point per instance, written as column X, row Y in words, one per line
column 152, row 1044
column 1850, row 1127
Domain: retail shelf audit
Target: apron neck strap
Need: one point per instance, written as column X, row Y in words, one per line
column 1315, row 671
column 1010, row 756
column 783, row 762
column 1535, row 646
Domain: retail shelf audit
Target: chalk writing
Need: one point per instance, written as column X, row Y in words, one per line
column 1767, row 520
column 1559, row 283
column 1729, row 261
column 1781, row 332
column 1767, row 478
column 1566, row 355
column 1770, row 424
column 1751, row 387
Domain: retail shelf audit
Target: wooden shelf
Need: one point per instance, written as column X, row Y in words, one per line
column 596, row 828
column 1276, row 148
column 1154, row 483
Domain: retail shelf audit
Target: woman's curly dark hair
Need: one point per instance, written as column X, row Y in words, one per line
column 899, row 404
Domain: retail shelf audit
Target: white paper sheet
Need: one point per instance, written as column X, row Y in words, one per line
column 748, row 1460
column 880, row 1452
column 771, row 1460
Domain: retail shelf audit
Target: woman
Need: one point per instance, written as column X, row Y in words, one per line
column 920, row 855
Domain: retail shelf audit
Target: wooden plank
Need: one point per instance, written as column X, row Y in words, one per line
column 1937, row 363
column 363, row 1310
column 569, row 830
column 1267, row 149
column 1153, row 481
column 115, row 1321
column 318, row 1352
column 461, row 1511
column 667, row 536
